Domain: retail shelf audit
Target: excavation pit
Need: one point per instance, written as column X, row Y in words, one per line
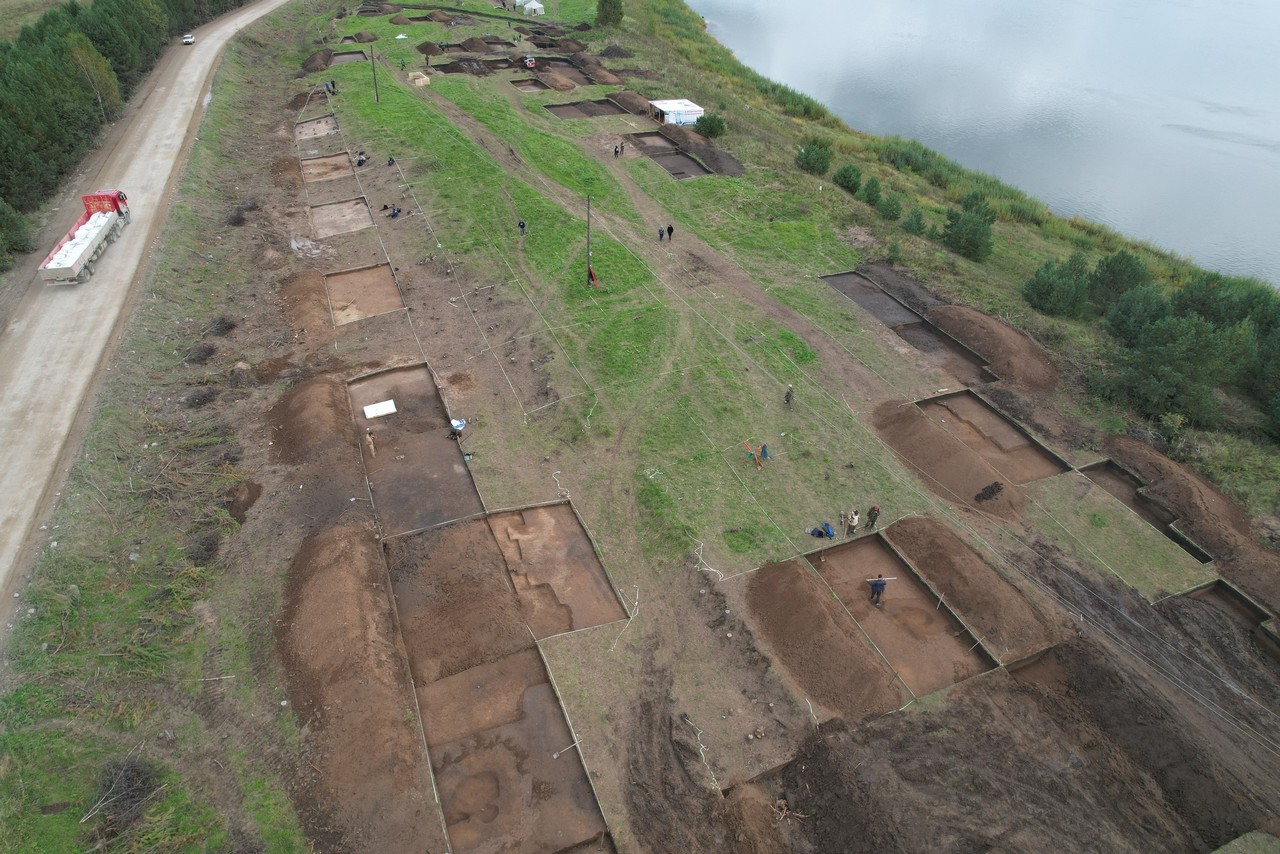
column 1008, row 448
column 343, row 57
column 651, row 140
column 312, row 128
column 362, row 292
column 1127, row 488
column 530, row 84
column 416, row 473
column 553, row 565
column 585, row 109
column 812, row 641
column 324, row 168
column 341, row 217
column 498, row 64
column 926, row 644
column 496, row 737
column 958, row 360
column 567, row 70
column 679, row 164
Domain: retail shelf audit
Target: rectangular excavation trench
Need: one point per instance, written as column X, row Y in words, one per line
column 362, row 292
column 341, row 217
column 1244, row 611
column 343, row 57
column 678, row 164
column 958, row 360
column 924, row 641
column 416, row 473
column 530, row 84
column 561, row 583
column 324, row 168
column 1127, row 488
column 313, row 128
column 499, row 743
column 1006, row 446
column 651, row 139
column 585, row 109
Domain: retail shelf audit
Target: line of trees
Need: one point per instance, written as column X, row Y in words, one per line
column 66, row 76
column 1173, row 346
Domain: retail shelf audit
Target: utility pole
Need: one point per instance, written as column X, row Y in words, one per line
column 373, row 56
column 591, row 274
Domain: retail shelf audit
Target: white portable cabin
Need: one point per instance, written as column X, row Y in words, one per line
column 533, row 7
column 679, row 111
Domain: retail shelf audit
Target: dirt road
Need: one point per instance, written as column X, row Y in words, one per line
column 57, row 338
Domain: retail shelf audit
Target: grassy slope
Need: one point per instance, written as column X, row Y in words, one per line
column 704, row 373
column 16, row 14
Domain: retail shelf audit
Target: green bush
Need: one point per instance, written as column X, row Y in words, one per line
column 608, row 13
column 1115, row 275
column 968, row 234
column 871, row 191
column 1175, row 367
column 1134, row 311
column 848, row 177
column 914, row 223
column 814, row 155
column 890, row 207
column 1059, row 289
column 710, row 125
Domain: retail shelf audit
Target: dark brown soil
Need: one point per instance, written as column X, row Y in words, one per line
column 347, row 681
column 429, row 49
column 1012, row 355
column 317, row 61
column 819, row 645
column 1011, row 625
column 943, row 463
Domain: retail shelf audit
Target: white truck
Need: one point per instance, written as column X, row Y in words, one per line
column 106, row 213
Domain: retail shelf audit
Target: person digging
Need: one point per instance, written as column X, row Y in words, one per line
column 456, row 426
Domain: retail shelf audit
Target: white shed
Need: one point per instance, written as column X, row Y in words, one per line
column 679, row 111
column 533, row 7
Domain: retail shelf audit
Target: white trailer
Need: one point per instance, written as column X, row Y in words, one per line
column 105, row 215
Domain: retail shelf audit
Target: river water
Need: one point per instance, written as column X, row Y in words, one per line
column 1158, row 118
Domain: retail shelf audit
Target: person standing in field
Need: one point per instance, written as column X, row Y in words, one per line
column 370, row 441
column 872, row 515
column 670, row 230
column 878, row 584
column 791, row 393
column 522, row 228
column 850, row 520
column 661, row 233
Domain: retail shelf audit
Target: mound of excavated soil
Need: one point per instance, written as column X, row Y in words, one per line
column 1013, row 355
column 317, row 61
column 632, row 102
column 475, row 45
column 366, row 37
column 993, row 608
column 816, row 642
column 946, row 465
column 440, row 17
column 556, row 81
column 683, row 136
column 1212, row 519
column 401, row 21
column 1071, row 754
column 570, row 46
column 601, row 75
column 350, row 691
column 310, row 419
column 614, row 51
column 429, row 49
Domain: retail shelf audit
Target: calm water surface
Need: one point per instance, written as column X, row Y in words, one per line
column 1159, row 118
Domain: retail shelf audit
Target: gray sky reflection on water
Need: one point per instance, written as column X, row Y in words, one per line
column 1160, row 118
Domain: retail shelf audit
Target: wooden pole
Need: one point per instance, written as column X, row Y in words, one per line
column 590, row 278
column 373, row 55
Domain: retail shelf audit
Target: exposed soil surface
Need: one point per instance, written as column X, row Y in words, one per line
column 1011, row 626
column 424, row 639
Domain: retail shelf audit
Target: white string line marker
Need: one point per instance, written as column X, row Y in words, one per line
column 702, row 748
column 561, row 492
column 703, row 566
column 635, row 609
